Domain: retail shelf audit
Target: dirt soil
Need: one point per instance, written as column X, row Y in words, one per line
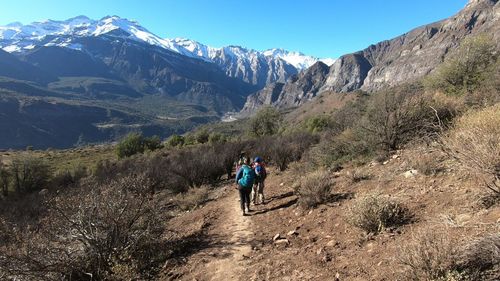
column 319, row 244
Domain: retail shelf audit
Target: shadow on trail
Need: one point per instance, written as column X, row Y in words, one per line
column 280, row 206
column 281, row 196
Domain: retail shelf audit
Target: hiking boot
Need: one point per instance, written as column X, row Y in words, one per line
column 244, row 214
column 248, row 210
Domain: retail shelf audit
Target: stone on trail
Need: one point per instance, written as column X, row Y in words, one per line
column 410, row 174
column 282, row 242
column 276, row 237
column 292, row 232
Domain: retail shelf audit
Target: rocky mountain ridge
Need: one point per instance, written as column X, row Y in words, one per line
column 251, row 66
column 402, row 59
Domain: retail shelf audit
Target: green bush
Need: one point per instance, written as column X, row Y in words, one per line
column 175, row 141
column 202, row 136
column 464, row 71
column 318, row 124
column 29, row 173
column 135, row 143
column 266, row 122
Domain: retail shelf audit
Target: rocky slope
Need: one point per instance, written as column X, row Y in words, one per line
column 392, row 62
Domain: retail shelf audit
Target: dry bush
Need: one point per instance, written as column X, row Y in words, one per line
column 374, row 212
column 396, row 116
column 480, row 258
column 283, row 150
column 475, row 142
column 314, row 189
column 90, row 232
column 427, row 164
column 359, row 175
column 192, row 198
column 335, row 150
column 430, row 255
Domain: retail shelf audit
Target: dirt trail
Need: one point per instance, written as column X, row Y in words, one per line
column 236, row 237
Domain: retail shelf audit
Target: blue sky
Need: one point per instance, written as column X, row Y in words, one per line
column 322, row 28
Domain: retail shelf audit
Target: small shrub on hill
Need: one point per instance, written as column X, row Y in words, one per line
column 192, row 198
column 314, row 189
column 29, row 173
column 430, row 255
column 374, row 213
column 266, row 122
column 175, row 141
column 395, row 116
column 135, row 143
column 480, row 258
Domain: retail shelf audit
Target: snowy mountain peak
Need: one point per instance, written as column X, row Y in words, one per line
column 297, row 59
column 16, row 37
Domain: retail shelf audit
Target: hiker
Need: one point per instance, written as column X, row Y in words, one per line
column 260, row 177
column 241, row 160
column 245, row 178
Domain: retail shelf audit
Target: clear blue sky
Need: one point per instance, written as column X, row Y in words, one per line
column 322, row 28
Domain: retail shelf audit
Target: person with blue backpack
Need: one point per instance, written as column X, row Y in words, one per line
column 245, row 178
column 260, row 173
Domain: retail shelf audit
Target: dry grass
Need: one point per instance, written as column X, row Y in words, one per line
column 475, row 143
column 314, row 189
column 192, row 198
column 427, row 164
column 480, row 258
column 359, row 175
column 430, row 255
column 374, row 212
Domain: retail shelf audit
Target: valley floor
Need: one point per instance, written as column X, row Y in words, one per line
column 319, row 244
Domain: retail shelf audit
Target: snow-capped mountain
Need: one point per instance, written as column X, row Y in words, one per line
column 255, row 67
column 297, row 59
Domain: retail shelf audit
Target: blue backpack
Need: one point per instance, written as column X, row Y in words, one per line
column 248, row 177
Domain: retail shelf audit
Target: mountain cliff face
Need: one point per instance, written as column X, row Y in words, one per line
column 405, row 58
column 298, row 89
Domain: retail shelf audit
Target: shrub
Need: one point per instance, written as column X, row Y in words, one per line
column 135, row 143
column 480, row 258
column 374, row 213
column 4, row 179
column 266, row 122
column 286, row 149
column 475, row 142
column 359, row 175
column 430, row 255
column 202, row 136
column 132, row 144
column 175, row 141
column 153, row 143
column 333, row 151
column 29, row 173
column 395, row 116
column 192, row 198
column 215, row 138
column 318, row 124
column 427, row 164
column 314, row 189
column 69, row 177
column 92, row 232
